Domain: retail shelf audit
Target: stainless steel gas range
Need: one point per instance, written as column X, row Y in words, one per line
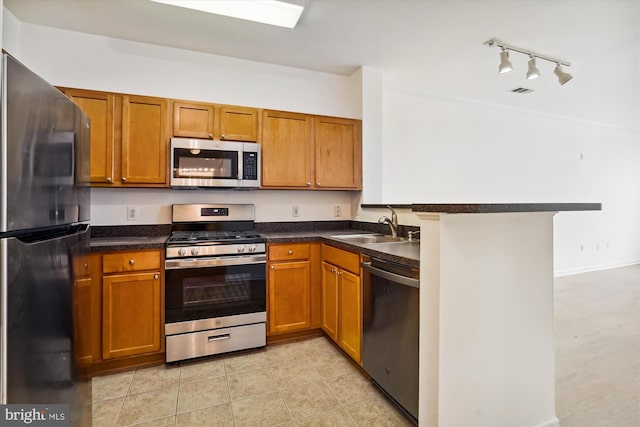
column 215, row 281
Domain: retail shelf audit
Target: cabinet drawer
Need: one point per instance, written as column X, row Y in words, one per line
column 289, row 251
column 130, row 261
column 341, row 258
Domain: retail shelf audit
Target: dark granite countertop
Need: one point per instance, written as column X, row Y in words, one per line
column 405, row 252
column 456, row 208
column 127, row 243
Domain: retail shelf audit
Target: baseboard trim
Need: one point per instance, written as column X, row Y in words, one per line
column 553, row 422
column 572, row 271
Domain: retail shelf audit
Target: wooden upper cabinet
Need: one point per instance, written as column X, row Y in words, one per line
column 99, row 106
column 144, row 140
column 211, row 121
column 287, row 150
column 338, row 158
column 193, row 119
column 238, row 123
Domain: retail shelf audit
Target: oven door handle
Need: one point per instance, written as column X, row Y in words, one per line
column 175, row 264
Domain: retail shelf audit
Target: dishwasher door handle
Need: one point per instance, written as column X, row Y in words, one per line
column 396, row 278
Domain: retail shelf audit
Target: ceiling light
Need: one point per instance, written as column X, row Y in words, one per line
column 532, row 72
column 562, row 76
column 273, row 12
column 505, row 65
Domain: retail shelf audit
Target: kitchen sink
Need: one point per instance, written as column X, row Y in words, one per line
column 367, row 238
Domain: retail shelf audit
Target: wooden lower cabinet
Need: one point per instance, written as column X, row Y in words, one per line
column 342, row 299
column 118, row 310
column 293, row 290
column 289, row 296
column 131, row 318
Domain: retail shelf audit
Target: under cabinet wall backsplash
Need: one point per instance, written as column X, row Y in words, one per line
column 132, row 206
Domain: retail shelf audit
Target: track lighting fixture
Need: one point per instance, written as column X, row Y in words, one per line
column 532, row 69
column 532, row 72
column 562, row 76
column 505, row 64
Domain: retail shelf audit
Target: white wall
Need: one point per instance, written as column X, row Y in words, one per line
column 80, row 60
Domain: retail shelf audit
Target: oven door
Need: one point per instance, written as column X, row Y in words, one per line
column 214, row 287
column 204, row 163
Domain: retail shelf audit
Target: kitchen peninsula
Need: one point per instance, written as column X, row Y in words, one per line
column 486, row 313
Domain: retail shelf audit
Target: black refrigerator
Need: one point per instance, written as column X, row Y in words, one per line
column 44, row 218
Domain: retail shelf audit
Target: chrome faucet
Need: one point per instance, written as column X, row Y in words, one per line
column 392, row 223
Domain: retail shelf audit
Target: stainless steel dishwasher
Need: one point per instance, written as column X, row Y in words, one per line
column 391, row 317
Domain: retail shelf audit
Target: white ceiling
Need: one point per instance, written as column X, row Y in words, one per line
column 434, row 46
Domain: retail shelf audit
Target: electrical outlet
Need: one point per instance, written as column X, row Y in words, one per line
column 295, row 211
column 337, row 211
column 581, row 247
column 132, row 213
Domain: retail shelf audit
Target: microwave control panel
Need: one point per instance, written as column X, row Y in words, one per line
column 250, row 165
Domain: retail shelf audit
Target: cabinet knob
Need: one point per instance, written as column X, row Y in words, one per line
column 86, row 265
column 211, row 135
column 273, row 267
column 318, row 184
column 109, row 180
column 333, row 270
column 308, row 184
column 131, row 262
column 155, row 277
column 222, row 136
column 339, row 273
column 290, row 252
column 124, row 179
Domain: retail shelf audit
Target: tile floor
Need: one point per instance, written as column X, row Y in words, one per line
column 306, row 383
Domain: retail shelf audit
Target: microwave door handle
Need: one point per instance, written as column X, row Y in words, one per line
column 240, row 166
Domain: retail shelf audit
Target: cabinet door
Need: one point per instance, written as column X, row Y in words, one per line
column 350, row 314
column 131, row 318
column 193, row 119
column 289, row 296
column 85, row 327
column 287, row 150
column 338, row 159
column 330, row 300
column 144, row 140
column 238, row 123
column 99, row 107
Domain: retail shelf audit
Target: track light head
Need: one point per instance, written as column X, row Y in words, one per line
column 505, row 65
column 532, row 72
column 562, row 76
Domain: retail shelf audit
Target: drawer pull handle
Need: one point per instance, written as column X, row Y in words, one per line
column 131, row 262
column 290, row 252
column 219, row 337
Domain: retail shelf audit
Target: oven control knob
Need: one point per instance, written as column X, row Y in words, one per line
column 252, row 248
column 182, row 251
column 241, row 248
column 194, row 251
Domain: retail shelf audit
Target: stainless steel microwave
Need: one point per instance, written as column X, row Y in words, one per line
column 202, row 163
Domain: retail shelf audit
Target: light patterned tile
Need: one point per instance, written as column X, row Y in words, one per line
column 331, row 418
column 155, row 378
column 331, row 365
column 202, row 394
column 110, row 386
column 262, row 410
column 352, row 388
column 317, row 347
column 250, row 383
column 246, row 362
column 377, row 411
column 309, row 399
column 294, row 374
column 162, row 422
column 282, row 354
column 213, row 416
column 148, row 406
column 200, row 370
column 105, row 412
